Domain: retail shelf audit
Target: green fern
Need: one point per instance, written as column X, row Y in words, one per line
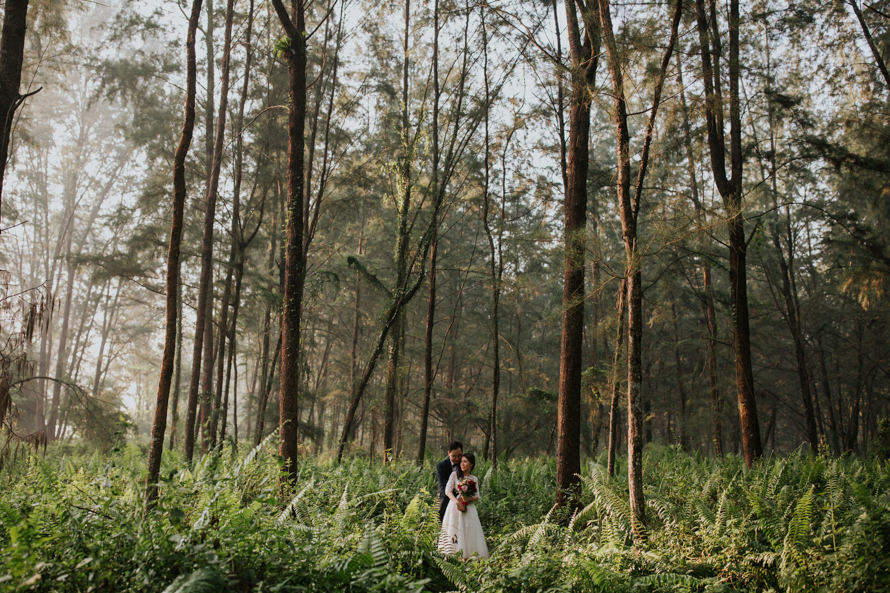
column 798, row 531
column 454, row 572
column 291, row 509
column 670, row 582
column 204, row 580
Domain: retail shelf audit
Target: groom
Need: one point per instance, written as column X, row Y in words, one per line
column 443, row 471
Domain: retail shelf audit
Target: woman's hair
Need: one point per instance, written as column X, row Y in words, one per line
column 471, row 458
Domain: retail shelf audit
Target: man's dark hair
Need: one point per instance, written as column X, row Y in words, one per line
column 455, row 445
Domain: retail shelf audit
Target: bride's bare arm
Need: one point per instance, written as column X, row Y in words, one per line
column 449, row 488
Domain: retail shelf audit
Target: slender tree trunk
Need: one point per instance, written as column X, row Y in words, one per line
column 221, row 354
column 179, row 189
column 434, row 249
column 568, row 450
column 265, row 360
column 391, row 317
column 266, row 390
column 730, row 189
column 236, row 227
column 205, row 286
column 401, row 256
column 628, row 206
column 852, row 436
column 61, row 353
column 492, row 435
column 791, row 310
column 107, row 318
column 620, row 332
column 356, row 318
column 12, row 49
column 295, row 264
column 177, row 373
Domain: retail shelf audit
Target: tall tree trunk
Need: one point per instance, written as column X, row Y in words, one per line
column 620, row 332
column 265, row 391
column 852, row 436
column 629, row 206
column 401, row 255
column 177, row 373
column 494, row 265
column 205, row 287
column 265, row 361
column 12, row 49
column 356, row 318
column 107, row 318
column 295, row 264
column 61, row 353
column 222, row 356
column 568, row 450
column 179, row 189
column 236, row 226
column 730, row 189
column 428, row 377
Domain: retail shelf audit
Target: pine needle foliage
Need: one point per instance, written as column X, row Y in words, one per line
column 798, row 523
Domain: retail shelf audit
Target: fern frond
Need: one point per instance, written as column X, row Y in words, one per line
column 536, row 537
column 584, row 516
column 251, row 455
column 669, row 581
column 291, row 509
column 798, row 530
column 453, row 572
column 204, row 580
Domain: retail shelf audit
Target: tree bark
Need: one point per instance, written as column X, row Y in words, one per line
column 620, row 332
column 203, row 336
column 12, row 49
column 179, row 190
column 730, row 189
column 177, row 376
column 628, row 206
column 496, row 264
column 428, row 377
column 568, row 450
column 401, row 255
column 295, row 264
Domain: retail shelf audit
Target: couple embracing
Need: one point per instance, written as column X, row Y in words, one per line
column 458, row 493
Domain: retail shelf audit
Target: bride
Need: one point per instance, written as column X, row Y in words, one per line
column 461, row 529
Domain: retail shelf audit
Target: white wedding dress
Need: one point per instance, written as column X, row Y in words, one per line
column 461, row 530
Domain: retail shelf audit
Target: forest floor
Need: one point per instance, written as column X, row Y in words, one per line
column 75, row 522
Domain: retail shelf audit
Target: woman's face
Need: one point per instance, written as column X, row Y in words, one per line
column 465, row 465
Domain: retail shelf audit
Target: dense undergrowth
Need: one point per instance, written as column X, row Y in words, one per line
column 796, row 523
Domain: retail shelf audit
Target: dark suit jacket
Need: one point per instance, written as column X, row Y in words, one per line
column 443, row 472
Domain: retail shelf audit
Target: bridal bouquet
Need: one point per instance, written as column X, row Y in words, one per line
column 466, row 488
